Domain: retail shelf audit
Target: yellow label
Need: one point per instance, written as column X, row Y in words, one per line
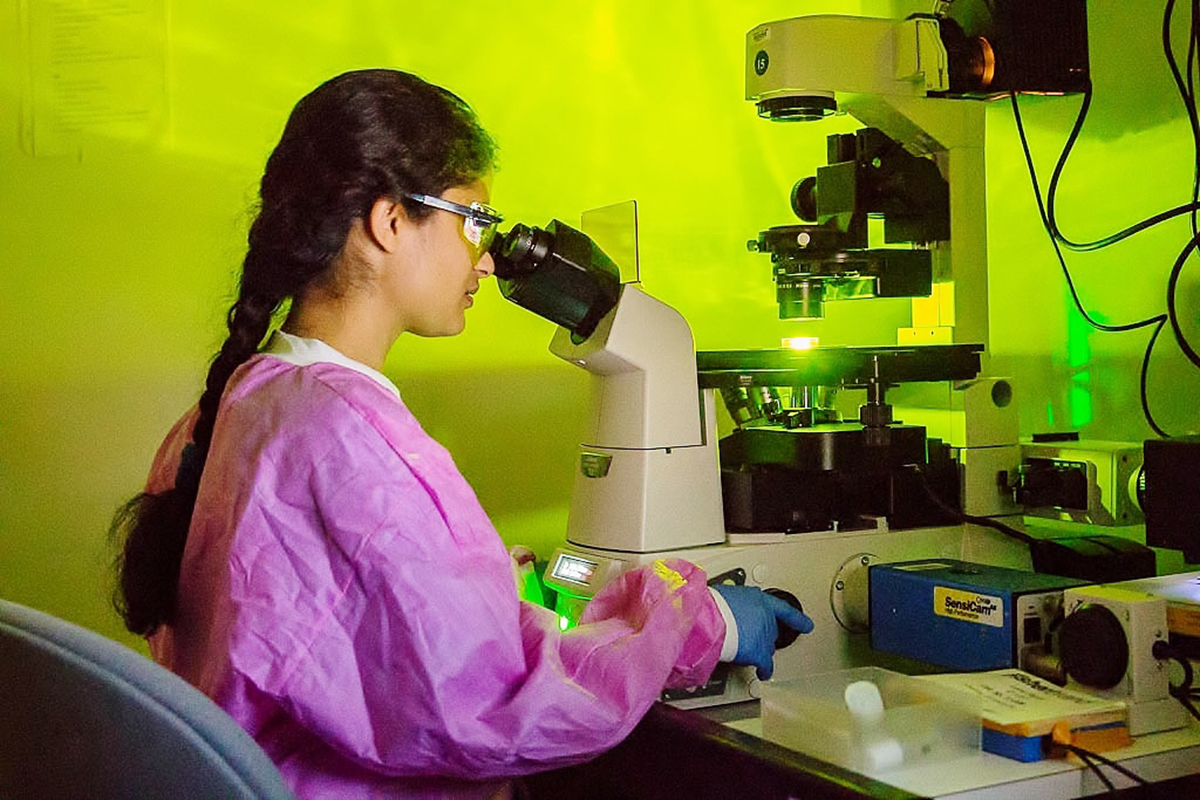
column 968, row 606
column 673, row 579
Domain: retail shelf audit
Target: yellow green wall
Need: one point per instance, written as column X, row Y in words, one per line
column 119, row 250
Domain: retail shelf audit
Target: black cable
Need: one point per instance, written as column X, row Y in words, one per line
column 1145, row 373
column 1158, row 320
column 1172, row 312
column 1187, row 91
column 1052, row 193
column 996, row 525
column 1048, row 224
column 1085, row 757
column 1189, row 95
column 1090, row 757
column 962, row 516
column 1186, row 87
column 1060, row 165
column 1184, row 692
column 1186, row 701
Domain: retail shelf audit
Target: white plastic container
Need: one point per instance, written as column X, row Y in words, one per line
column 869, row 719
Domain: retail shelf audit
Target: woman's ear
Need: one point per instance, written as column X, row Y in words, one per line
column 385, row 223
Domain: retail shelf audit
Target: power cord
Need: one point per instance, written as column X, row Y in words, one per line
column 1187, row 88
column 1187, row 95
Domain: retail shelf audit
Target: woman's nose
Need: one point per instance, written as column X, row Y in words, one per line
column 486, row 265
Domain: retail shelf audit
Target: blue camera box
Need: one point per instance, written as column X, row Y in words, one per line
column 958, row 614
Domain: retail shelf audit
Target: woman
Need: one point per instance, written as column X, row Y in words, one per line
column 307, row 556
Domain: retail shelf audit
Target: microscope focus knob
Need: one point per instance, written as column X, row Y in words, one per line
column 786, row 634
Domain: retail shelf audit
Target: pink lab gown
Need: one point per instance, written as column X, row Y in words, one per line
column 344, row 597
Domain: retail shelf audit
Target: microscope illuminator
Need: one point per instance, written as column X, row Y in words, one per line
column 1003, row 46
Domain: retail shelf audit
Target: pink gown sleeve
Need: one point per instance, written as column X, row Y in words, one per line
column 370, row 598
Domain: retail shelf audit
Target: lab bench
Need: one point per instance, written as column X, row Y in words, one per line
column 718, row 753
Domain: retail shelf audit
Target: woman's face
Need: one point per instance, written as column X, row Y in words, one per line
column 437, row 282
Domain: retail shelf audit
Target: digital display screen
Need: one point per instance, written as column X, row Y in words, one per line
column 574, row 569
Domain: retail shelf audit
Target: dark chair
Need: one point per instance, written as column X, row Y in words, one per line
column 82, row 716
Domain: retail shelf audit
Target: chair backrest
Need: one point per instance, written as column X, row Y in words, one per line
column 84, row 716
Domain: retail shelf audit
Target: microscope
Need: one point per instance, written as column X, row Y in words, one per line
column 656, row 479
column 795, row 497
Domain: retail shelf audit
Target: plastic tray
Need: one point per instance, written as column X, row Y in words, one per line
column 810, row 715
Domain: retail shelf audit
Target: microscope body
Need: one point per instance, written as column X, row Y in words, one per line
column 648, row 481
column 647, row 477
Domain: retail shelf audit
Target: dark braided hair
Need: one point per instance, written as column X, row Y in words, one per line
column 355, row 139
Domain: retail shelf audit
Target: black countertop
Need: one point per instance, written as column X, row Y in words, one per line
column 674, row 753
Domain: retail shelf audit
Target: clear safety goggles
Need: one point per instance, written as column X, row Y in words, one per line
column 479, row 221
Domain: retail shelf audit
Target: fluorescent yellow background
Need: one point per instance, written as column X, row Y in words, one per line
column 119, row 252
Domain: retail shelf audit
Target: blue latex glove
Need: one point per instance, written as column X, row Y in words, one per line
column 759, row 618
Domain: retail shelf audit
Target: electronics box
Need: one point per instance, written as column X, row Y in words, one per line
column 1172, row 494
column 1093, row 482
column 919, row 722
column 963, row 616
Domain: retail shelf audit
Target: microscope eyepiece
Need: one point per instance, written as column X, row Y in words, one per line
column 521, row 250
column 557, row 273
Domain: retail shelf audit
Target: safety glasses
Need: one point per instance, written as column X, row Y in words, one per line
column 479, row 221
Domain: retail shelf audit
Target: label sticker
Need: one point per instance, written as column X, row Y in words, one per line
column 761, row 62
column 594, row 465
column 968, row 606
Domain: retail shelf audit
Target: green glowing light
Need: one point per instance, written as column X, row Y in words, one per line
column 1080, row 400
column 1079, row 355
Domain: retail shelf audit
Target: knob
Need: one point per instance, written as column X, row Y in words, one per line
column 786, row 635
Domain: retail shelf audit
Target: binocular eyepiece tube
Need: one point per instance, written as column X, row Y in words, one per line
column 557, row 273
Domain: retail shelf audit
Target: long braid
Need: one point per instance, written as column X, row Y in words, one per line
column 145, row 605
column 357, row 138
column 248, row 320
